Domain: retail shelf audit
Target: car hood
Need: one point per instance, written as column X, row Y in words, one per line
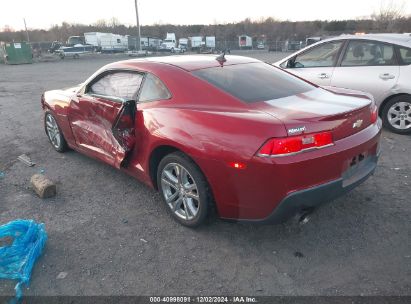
column 321, row 109
column 60, row 98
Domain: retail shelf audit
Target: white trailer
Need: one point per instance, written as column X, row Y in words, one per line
column 107, row 42
column 113, row 43
column 196, row 42
column 93, row 38
column 245, row 42
column 210, row 42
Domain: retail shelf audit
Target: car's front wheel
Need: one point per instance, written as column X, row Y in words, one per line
column 396, row 114
column 54, row 133
column 184, row 189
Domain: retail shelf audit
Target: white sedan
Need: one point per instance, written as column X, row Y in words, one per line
column 379, row 64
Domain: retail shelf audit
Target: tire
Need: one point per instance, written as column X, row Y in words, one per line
column 396, row 114
column 172, row 50
column 54, row 133
column 189, row 191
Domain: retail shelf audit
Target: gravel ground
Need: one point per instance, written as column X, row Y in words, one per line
column 111, row 235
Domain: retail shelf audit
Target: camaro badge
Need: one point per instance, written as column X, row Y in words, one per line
column 357, row 124
column 296, row 130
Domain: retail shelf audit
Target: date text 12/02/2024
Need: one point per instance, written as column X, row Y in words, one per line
column 203, row 299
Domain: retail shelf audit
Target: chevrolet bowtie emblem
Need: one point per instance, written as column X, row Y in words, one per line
column 357, row 124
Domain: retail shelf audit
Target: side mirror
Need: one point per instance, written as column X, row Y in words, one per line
column 284, row 64
column 291, row 63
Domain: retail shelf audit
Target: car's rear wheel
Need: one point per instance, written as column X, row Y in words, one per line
column 54, row 133
column 396, row 114
column 184, row 189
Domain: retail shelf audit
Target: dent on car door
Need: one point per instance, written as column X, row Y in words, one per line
column 102, row 117
column 316, row 64
column 368, row 66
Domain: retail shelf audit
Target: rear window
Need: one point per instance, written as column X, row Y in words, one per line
column 254, row 81
column 405, row 55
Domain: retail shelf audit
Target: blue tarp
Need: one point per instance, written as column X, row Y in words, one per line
column 17, row 259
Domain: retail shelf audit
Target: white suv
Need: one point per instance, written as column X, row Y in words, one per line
column 379, row 64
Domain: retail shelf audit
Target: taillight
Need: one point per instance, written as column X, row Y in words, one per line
column 295, row 144
column 374, row 114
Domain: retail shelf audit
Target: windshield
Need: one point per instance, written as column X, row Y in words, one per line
column 254, row 81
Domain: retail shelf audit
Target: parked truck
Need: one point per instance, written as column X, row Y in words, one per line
column 169, row 44
column 183, row 44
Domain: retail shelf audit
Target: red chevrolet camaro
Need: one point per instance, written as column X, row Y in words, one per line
column 232, row 132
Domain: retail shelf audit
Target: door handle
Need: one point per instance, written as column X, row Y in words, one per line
column 323, row 76
column 387, row 76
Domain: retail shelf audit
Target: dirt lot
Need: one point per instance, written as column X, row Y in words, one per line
column 112, row 235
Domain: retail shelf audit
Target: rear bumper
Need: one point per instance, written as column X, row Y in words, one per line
column 315, row 196
column 272, row 189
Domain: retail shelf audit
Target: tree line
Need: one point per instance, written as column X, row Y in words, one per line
column 269, row 29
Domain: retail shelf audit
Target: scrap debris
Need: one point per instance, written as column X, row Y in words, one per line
column 62, row 275
column 25, row 159
column 26, row 240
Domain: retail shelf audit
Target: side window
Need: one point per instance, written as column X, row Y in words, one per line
column 123, row 85
column 153, row 89
column 368, row 53
column 405, row 55
column 323, row 55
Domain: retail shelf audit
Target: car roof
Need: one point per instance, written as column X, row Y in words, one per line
column 192, row 62
column 399, row 39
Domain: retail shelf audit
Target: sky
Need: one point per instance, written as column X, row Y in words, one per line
column 45, row 13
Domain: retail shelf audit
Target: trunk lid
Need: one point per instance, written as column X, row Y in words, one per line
column 343, row 112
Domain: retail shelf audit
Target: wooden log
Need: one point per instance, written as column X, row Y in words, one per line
column 44, row 187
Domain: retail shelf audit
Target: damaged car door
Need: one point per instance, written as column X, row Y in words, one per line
column 102, row 115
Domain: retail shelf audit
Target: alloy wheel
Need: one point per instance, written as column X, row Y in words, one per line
column 399, row 115
column 180, row 191
column 53, row 131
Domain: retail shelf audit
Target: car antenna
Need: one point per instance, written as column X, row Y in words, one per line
column 221, row 58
